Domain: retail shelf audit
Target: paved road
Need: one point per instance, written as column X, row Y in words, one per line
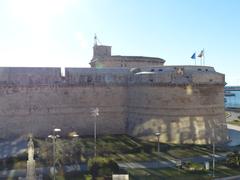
column 234, row 135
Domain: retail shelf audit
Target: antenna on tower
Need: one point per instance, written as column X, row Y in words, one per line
column 95, row 40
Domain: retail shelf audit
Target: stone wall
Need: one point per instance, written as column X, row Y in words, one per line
column 40, row 109
column 183, row 103
column 33, row 106
column 182, row 114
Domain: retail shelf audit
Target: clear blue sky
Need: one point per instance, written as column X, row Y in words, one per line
column 60, row 32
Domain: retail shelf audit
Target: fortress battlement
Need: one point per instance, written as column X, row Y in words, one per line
column 27, row 76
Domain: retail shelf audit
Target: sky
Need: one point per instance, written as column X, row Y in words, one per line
column 60, row 33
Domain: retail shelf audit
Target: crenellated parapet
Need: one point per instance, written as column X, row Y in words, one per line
column 26, row 76
column 94, row 76
column 166, row 75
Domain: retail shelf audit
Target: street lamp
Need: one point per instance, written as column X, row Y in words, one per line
column 95, row 114
column 74, row 136
column 54, row 137
column 157, row 134
column 214, row 148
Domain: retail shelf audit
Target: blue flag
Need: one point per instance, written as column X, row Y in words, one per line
column 193, row 56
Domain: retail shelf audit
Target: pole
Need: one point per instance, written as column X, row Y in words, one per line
column 54, row 157
column 213, row 160
column 203, row 57
column 95, row 136
column 54, row 150
column 95, row 113
column 157, row 134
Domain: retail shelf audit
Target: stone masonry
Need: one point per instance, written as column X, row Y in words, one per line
column 135, row 95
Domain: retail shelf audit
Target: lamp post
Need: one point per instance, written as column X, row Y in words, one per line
column 75, row 135
column 54, row 137
column 74, row 148
column 213, row 149
column 95, row 114
column 157, row 134
column 74, row 139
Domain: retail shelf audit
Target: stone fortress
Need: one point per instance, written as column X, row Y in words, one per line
column 135, row 95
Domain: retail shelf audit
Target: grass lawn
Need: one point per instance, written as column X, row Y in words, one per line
column 121, row 148
column 176, row 174
column 235, row 122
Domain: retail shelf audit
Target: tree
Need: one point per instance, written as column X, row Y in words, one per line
column 102, row 167
column 233, row 159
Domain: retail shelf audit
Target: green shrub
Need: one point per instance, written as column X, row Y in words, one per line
column 233, row 159
column 193, row 166
column 147, row 148
column 236, row 120
column 102, row 167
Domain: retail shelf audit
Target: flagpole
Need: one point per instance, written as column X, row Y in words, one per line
column 195, row 59
column 203, row 57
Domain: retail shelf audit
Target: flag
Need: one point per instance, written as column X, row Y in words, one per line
column 193, row 56
column 201, row 54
